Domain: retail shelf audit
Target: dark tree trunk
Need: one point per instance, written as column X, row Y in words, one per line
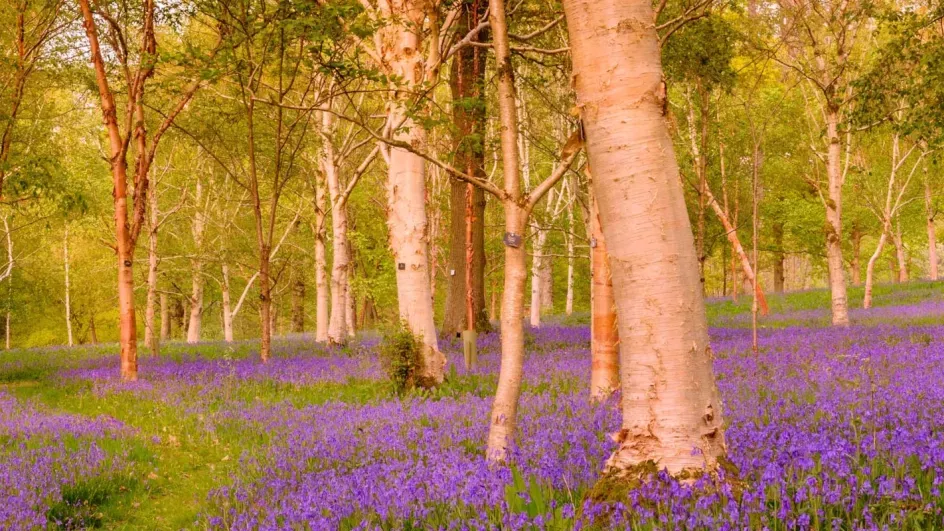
column 298, row 307
column 467, row 83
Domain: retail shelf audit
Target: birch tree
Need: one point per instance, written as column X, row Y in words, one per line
column 670, row 403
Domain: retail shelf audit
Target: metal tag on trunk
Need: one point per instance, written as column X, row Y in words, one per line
column 401, row 266
column 512, row 240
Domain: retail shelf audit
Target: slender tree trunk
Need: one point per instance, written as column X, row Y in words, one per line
column 350, row 315
column 406, row 188
column 932, row 231
column 127, row 325
column 731, row 233
column 870, row 267
column 150, row 332
column 196, row 293
column 670, row 402
column 93, row 336
column 65, row 260
column 779, row 256
column 571, row 258
column 856, row 257
column 298, row 306
column 547, row 281
column 227, row 306
column 493, row 309
column 321, row 274
column 537, row 274
column 165, row 318
column 505, row 407
column 837, row 280
column 700, row 162
column 604, row 337
column 337, row 332
column 900, row 253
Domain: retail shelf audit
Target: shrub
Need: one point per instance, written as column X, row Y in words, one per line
column 400, row 351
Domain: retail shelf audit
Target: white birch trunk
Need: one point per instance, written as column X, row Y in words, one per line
column 537, row 274
column 196, row 294
column 670, row 403
column 406, row 187
column 837, row 278
column 227, row 305
column 65, row 259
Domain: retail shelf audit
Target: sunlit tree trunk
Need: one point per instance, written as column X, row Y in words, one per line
column 900, row 253
column 337, row 332
column 571, row 258
column 150, row 332
column 837, row 273
column 604, row 337
column 165, row 318
column 321, row 274
column 547, row 281
column 517, row 208
column 227, row 306
column 351, row 314
column 870, row 267
column 856, row 266
column 406, row 189
column 127, row 326
column 670, row 403
column 537, row 275
column 68, row 297
column 197, row 284
column 932, row 231
column 731, row 234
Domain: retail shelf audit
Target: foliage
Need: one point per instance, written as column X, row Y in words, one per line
column 401, row 352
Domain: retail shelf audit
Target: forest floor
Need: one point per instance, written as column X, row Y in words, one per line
column 840, row 429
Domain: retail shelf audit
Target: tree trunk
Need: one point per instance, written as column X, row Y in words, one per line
column 227, row 306
column 779, row 256
column 900, row 253
column 837, row 280
column 150, row 332
column 351, row 314
column 700, row 163
column 870, row 267
column 670, row 402
column 406, row 188
column 65, row 260
column 604, row 337
column 93, row 335
column 731, row 233
column 124, row 244
column 932, row 232
column 321, row 274
column 571, row 257
column 467, row 83
column 547, row 281
column 337, row 332
column 298, row 306
column 856, row 257
column 165, row 318
column 537, row 274
column 196, row 293
column 505, row 407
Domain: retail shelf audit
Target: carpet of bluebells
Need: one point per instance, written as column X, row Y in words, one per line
column 828, row 429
